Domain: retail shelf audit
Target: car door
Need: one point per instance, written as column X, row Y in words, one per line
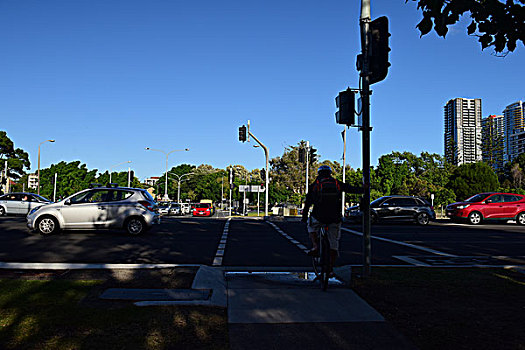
column 408, row 208
column 86, row 210
column 511, row 206
column 24, row 204
column 388, row 209
column 492, row 208
column 118, row 207
column 10, row 202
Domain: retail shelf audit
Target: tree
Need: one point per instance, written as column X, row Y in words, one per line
column 472, row 178
column 71, row 177
column 17, row 159
column 496, row 23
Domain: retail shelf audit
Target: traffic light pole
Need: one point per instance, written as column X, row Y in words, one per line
column 307, row 163
column 365, row 128
column 267, row 154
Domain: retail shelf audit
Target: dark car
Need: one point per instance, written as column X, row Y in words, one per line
column 396, row 208
column 489, row 206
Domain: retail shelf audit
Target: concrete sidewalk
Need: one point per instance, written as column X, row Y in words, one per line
column 283, row 311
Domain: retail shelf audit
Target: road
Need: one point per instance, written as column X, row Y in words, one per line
column 244, row 243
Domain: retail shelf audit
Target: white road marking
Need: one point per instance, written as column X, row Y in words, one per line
column 217, row 261
column 428, row 250
column 288, row 237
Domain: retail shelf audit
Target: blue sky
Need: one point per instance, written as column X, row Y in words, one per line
column 108, row 78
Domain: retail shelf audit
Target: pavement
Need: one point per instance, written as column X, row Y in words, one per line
column 276, row 310
column 266, row 310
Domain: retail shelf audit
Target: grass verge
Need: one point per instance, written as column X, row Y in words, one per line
column 450, row 308
column 52, row 315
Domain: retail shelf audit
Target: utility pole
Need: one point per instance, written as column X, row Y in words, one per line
column 55, row 188
column 307, row 163
column 344, row 170
column 231, row 186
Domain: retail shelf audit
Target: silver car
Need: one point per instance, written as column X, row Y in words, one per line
column 20, row 203
column 131, row 209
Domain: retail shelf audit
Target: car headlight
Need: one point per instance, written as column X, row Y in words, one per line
column 464, row 206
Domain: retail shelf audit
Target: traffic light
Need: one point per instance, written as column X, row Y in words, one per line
column 345, row 102
column 132, row 175
column 302, row 155
column 313, row 155
column 378, row 49
column 263, row 174
column 242, row 133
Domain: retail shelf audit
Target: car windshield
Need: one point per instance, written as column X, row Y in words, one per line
column 202, row 205
column 40, row 198
column 478, row 198
column 377, row 202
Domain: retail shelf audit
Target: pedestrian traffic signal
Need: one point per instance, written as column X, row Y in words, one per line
column 302, row 154
column 345, row 102
column 378, row 50
column 242, row 133
column 313, row 155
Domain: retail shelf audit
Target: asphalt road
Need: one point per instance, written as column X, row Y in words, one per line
column 244, row 242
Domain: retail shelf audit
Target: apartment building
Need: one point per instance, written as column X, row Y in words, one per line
column 514, row 116
column 463, row 136
column 493, row 147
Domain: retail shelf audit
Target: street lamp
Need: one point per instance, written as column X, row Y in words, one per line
column 38, row 188
column 179, row 179
column 116, row 165
column 167, row 155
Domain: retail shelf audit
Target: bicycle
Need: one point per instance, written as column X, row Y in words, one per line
column 321, row 263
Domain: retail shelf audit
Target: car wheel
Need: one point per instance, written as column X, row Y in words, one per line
column 47, row 225
column 135, row 226
column 422, row 219
column 474, row 218
column 2, row 211
column 520, row 219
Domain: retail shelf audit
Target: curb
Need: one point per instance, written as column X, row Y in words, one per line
column 207, row 277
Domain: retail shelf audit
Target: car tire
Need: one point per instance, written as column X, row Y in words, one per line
column 422, row 219
column 135, row 226
column 2, row 211
column 475, row 218
column 47, row 225
column 520, row 219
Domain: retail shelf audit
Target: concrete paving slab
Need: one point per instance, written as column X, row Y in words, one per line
column 270, row 299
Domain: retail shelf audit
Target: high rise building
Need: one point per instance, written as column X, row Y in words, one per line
column 514, row 115
column 463, row 131
column 493, row 141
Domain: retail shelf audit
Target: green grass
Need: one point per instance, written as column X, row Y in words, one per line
column 51, row 315
column 450, row 308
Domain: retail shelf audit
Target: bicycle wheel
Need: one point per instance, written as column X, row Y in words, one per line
column 324, row 253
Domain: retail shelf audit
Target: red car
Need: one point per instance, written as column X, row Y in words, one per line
column 202, row 209
column 489, row 206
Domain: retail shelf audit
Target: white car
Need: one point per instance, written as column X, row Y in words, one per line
column 131, row 209
column 20, row 203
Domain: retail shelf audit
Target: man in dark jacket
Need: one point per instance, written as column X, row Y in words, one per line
column 325, row 195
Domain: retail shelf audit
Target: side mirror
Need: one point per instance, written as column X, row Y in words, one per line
column 488, row 201
column 68, row 202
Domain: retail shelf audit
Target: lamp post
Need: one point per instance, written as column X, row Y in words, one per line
column 38, row 173
column 179, row 179
column 167, row 155
column 116, row 165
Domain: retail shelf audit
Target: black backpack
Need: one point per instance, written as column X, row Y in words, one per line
column 328, row 198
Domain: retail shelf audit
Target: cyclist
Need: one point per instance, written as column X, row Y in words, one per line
column 325, row 194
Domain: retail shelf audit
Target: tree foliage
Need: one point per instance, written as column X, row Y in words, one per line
column 497, row 24
column 17, row 159
column 472, row 178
